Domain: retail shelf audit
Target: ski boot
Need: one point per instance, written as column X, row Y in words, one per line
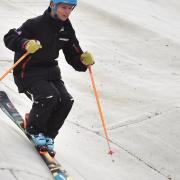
column 50, row 146
column 39, row 141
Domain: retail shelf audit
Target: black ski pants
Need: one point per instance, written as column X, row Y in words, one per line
column 51, row 105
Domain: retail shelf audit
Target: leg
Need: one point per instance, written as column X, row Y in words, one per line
column 45, row 97
column 61, row 111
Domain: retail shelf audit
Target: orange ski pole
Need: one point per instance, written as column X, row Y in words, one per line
column 10, row 69
column 100, row 110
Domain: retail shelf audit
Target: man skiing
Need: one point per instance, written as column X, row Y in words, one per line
column 38, row 76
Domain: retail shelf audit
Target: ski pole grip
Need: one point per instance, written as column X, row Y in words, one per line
column 10, row 69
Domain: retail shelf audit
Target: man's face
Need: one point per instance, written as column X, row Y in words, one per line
column 64, row 11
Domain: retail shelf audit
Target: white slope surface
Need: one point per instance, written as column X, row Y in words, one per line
column 136, row 48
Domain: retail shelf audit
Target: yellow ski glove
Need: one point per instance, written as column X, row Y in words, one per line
column 87, row 59
column 32, row 46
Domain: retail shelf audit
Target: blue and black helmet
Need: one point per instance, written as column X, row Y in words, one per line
column 72, row 2
column 54, row 9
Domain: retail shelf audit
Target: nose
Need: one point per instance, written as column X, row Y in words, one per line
column 68, row 11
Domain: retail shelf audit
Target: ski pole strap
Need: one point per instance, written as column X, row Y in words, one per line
column 10, row 69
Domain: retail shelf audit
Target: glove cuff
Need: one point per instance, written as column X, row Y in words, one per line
column 24, row 42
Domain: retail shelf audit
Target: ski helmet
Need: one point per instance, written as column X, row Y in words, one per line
column 72, row 2
column 54, row 9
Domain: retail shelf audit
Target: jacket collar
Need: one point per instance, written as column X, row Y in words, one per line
column 55, row 24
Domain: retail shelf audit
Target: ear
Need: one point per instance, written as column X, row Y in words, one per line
column 52, row 4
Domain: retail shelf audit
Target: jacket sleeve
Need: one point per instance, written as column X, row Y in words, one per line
column 72, row 52
column 15, row 38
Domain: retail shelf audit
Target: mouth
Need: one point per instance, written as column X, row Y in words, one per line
column 65, row 16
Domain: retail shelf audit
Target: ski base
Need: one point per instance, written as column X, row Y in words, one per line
column 56, row 169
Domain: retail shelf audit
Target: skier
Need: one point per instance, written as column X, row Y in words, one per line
column 38, row 76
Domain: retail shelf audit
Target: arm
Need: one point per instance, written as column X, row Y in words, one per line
column 72, row 52
column 15, row 38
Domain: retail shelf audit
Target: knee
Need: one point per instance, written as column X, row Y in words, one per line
column 70, row 102
column 53, row 97
column 66, row 101
column 47, row 100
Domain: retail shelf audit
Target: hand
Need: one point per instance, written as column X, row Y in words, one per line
column 32, row 46
column 87, row 59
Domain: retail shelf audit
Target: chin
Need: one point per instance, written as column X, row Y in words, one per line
column 63, row 18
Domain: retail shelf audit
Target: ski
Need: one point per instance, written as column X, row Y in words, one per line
column 56, row 169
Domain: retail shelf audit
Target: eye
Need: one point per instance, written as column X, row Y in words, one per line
column 70, row 8
column 67, row 7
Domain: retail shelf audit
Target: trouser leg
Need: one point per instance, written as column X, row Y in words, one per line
column 61, row 111
column 45, row 98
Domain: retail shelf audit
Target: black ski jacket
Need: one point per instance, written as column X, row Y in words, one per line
column 53, row 35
